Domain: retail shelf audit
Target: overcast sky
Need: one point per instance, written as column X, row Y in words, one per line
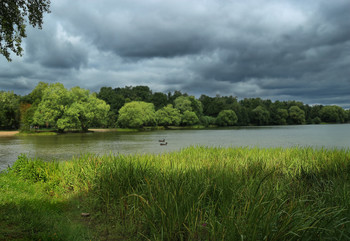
column 273, row 49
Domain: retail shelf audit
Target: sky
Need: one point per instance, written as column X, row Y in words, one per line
column 272, row 49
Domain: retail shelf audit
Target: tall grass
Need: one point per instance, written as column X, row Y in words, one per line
column 202, row 193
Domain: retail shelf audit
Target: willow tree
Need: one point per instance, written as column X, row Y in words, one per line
column 168, row 116
column 137, row 114
column 226, row 118
column 70, row 109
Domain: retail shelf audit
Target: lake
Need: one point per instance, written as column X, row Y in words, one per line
column 63, row 147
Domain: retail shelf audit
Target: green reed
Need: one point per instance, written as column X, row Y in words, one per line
column 201, row 193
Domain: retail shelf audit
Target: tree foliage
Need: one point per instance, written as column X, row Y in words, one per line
column 168, row 116
column 13, row 21
column 69, row 109
column 84, row 111
column 297, row 115
column 29, row 104
column 226, row 118
column 260, row 116
column 51, row 108
column 333, row 114
column 159, row 100
column 9, row 110
column 137, row 114
column 55, row 106
column 281, row 116
column 189, row 118
column 183, row 104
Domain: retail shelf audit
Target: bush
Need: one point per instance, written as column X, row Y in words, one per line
column 32, row 170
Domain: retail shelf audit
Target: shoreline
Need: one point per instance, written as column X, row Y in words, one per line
column 8, row 133
column 14, row 133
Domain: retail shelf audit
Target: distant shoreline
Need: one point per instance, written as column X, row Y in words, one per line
column 13, row 133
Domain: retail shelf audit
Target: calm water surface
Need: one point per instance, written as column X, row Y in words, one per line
column 65, row 146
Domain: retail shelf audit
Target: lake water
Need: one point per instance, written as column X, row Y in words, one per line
column 62, row 147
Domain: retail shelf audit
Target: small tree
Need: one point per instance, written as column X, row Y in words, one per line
column 168, row 115
column 9, row 110
column 52, row 106
column 189, row 118
column 260, row 115
column 296, row 115
column 136, row 114
column 282, row 115
column 183, row 103
column 226, row 118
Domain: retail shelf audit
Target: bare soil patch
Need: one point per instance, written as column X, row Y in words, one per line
column 8, row 133
column 102, row 130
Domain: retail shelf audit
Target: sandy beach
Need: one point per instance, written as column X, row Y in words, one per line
column 12, row 133
column 8, row 133
column 102, row 130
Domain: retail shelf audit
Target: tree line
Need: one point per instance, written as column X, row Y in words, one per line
column 54, row 106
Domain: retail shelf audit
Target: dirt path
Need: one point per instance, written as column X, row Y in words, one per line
column 8, row 133
column 102, row 130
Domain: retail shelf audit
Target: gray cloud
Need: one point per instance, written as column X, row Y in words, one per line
column 281, row 50
column 54, row 48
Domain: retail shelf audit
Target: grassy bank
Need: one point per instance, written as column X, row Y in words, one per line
column 36, row 133
column 197, row 193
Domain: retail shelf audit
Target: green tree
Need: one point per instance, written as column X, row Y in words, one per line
column 9, row 110
column 112, row 98
column 159, row 100
column 316, row 120
column 226, row 118
column 168, row 116
column 173, row 97
column 207, row 120
column 37, row 94
column 141, row 93
column 26, row 119
column 189, row 118
column 13, row 22
column 196, row 106
column 296, row 115
column 52, row 106
column 212, row 106
column 84, row 111
column 281, row 116
column 115, row 100
column 29, row 104
column 183, row 103
column 73, row 109
column 137, row 114
column 333, row 114
column 260, row 116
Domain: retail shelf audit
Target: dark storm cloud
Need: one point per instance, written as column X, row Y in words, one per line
column 139, row 29
column 282, row 50
column 51, row 49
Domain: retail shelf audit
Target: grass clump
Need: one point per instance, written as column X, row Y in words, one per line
column 197, row 193
column 43, row 133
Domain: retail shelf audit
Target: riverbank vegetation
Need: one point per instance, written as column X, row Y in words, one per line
column 197, row 193
column 54, row 106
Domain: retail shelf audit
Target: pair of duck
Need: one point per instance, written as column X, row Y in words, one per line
column 163, row 143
